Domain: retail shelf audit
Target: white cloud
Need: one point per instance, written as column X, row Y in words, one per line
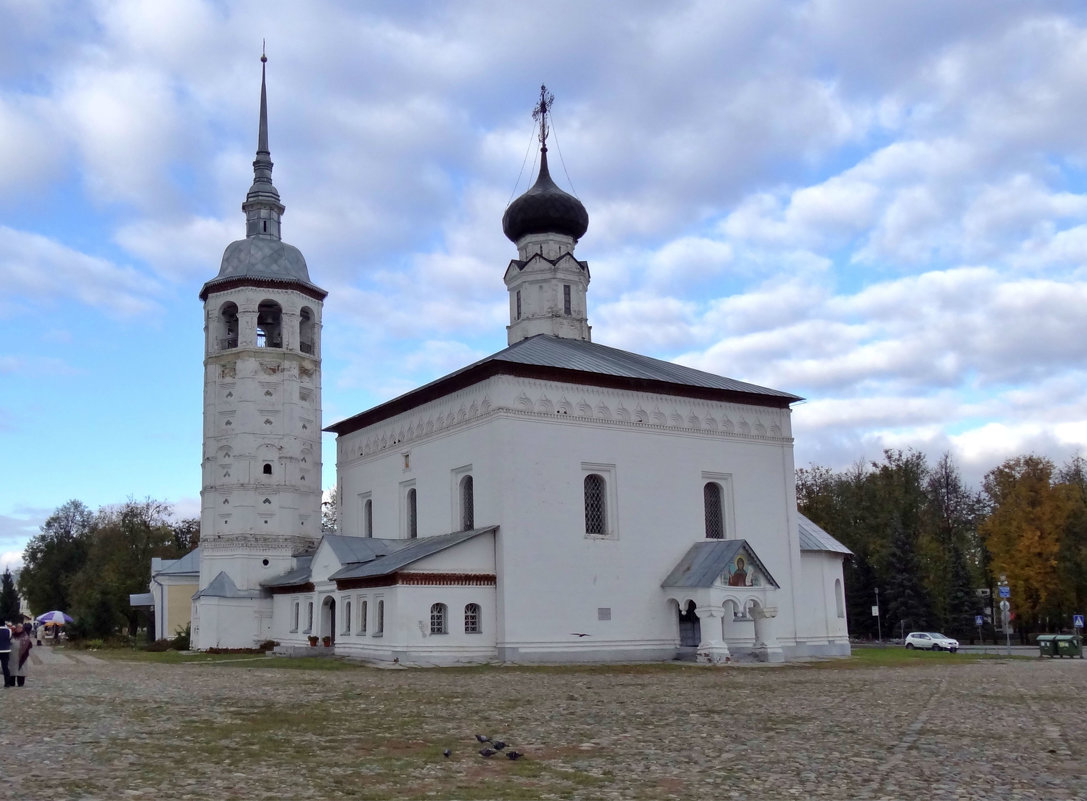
column 35, row 269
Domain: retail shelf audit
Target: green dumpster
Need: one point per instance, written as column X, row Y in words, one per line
column 1047, row 645
column 1069, row 645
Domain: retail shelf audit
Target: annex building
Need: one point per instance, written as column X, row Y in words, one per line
column 559, row 500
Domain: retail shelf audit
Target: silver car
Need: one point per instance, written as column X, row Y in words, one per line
column 931, row 641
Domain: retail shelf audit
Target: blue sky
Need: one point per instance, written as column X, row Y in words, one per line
column 878, row 206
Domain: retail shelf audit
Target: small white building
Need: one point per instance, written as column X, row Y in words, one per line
column 559, row 500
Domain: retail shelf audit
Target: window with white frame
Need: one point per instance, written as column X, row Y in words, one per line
column 379, row 623
column 715, row 512
column 309, row 618
column 717, row 505
column 598, row 485
column 471, row 619
column 437, row 619
column 346, row 617
column 366, row 510
column 839, row 598
column 363, row 615
column 294, row 615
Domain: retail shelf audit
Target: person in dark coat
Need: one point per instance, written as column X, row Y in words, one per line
column 5, row 654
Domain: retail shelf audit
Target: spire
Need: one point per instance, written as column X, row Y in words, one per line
column 262, row 207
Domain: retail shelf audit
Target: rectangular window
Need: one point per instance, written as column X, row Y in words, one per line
column 309, row 618
column 379, row 624
column 599, row 496
column 346, row 617
column 471, row 619
column 566, row 299
column 363, row 615
column 294, row 616
column 518, row 304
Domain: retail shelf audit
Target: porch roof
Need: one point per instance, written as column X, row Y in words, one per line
column 705, row 561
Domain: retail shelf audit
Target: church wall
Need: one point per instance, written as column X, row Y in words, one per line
column 819, row 624
column 529, row 445
column 556, row 582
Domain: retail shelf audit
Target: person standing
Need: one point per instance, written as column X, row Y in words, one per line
column 20, row 654
column 5, row 653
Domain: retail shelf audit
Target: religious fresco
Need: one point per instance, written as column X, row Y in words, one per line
column 741, row 572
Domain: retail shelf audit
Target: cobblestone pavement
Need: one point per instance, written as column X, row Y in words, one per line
column 90, row 728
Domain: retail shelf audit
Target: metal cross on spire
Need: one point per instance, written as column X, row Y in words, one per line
column 540, row 112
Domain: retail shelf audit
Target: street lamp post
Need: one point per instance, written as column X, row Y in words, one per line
column 879, row 625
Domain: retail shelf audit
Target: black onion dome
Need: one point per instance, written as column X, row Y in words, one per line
column 545, row 209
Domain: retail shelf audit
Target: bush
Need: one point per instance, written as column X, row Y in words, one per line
column 268, row 645
column 182, row 639
column 158, row 646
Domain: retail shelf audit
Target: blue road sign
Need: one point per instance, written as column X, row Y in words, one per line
column 1005, row 592
column 1077, row 621
column 979, row 620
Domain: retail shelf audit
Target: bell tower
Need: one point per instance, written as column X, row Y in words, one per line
column 261, row 489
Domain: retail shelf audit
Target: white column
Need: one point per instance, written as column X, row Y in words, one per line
column 712, row 649
column 766, row 643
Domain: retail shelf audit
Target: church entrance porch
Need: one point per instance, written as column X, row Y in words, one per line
column 724, row 596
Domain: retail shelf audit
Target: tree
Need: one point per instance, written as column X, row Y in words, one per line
column 53, row 557
column 1026, row 532
column 9, row 599
column 123, row 541
column 186, row 535
column 330, row 511
column 907, row 601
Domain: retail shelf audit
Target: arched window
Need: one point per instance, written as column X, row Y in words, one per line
column 227, row 330
column 467, row 504
column 839, row 598
column 309, row 618
column 715, row 516
column 269, row 325
column 437, row 619
column 294, row 625
column 471, row 619
column 368, row 517
column 267, row 469
column 413, row 517
column 596, row 507
column 347, row 617
column 305, row 330
column 363, row 609
column 379, row 624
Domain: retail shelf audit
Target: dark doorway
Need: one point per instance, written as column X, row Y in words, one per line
column 690, row 631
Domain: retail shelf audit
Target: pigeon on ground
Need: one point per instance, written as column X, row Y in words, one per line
column 446, row 753
column 514, row 755
column 483, row 738
column 487, row 753
column 498, row 745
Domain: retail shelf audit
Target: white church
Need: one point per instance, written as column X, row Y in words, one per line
column 557, row 501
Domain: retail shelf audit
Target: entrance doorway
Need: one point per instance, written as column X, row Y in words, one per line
column 690, row 629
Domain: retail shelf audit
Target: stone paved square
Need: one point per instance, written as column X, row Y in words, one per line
column 251, row 728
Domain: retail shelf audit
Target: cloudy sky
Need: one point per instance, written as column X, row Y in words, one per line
column 881, row 207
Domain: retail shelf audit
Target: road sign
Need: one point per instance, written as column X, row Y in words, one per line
column 1077, row 621
column 979, row 620
column 1005, row 592
column 1005, row 606
column 875, row 611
